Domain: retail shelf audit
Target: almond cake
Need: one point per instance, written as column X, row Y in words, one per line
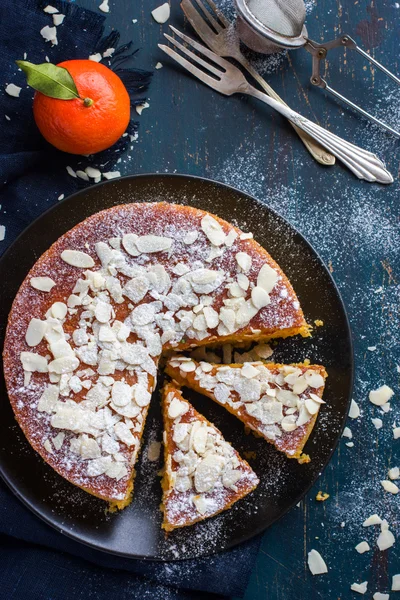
column 97, row 310
column 203, row 474
column 278, row 402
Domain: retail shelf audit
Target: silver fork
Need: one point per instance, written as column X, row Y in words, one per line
column 227, row 79
column 220, row 35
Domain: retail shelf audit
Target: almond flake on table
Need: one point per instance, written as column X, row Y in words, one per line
column 82, row 175
column 92, row 172
column 162, row 13
column 372, row 520
column 361, row 588
column 7, row 118
column 49, row 34
column 58, row 19
column 380, row 596
column 386, row 538
column 159, row 66
column 109, row 52
column 13, row 90
column 371, row 348
column 381, row 395
column 396, row 433
column 396, row 583
column 347, row 433
column 50, row 10
column 389, row 486
column 394, row 473
column 95, row 57
column 104, row 6
column 316, row 563
column 354, row 411
column 140, row 107
column 70, row 171
column 2, row 232
column 350, row 444
column 112, row 175
column 61, row 197
column 378, row 423
column 362, row 547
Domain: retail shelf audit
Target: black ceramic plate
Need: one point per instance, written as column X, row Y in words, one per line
column 135, row 532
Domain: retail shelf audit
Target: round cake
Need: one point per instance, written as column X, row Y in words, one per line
column 98, row 309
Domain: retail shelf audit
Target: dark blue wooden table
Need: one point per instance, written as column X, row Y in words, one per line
column 353, row 225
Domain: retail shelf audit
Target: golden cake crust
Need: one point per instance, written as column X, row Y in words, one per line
column 282, row 317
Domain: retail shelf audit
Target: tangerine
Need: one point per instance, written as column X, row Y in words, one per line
column 88, row 124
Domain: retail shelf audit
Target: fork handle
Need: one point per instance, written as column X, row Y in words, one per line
column 364, row 164
column 315, row 149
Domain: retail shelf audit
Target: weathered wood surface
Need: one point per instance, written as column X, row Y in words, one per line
column 353, row 225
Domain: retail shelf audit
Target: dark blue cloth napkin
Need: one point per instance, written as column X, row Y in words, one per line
column 37, row 562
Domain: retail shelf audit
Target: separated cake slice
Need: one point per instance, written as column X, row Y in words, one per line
column 203, row 474
column 278, row 402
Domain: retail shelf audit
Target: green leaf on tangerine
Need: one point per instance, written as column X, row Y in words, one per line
column 50, row 80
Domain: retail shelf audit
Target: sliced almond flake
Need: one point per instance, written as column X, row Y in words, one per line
column 230, row 238
column 104, row 6
column 49, row 34
column 95, row 57
column 394, row 473
column 267, row 278
column 372, row 520
column 381, row 395
column 350, row 444
column 129, row 243
column 161, row 14
column 103, row 312
column 158, row 65
column 51, row 10
column 153, row 243
column 141, row 107
column 362, row 547
column 59, row 310
column 33, row 362
column 58, row 19
column 213, row 230
column 243, row 281
column 347, row 433
column 76, row 258
column 177, row 408
column 378, row 423
column 35, row 332
column 354, row 411
column 380, row 596
column 371, row 348
column 389, row 486
column 260, row 297
column 58, row 440
column 124, row 434
column 361, row 588
column 47, row 446
column 246, row 236
column 385, row 408
column 316, row 563
column 385, row 540
column 312, row 406
column 92, row 172
column 66, row 364
column 396, row 583
column 70, row 171
column 188, row 367
column 244, row 261
column 13, row 90
column 317, row 398
column 190, row 237
column 249, row 371
column 396, row 433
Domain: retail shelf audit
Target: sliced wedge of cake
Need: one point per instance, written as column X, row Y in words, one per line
column 203, row 474
column 278, row 402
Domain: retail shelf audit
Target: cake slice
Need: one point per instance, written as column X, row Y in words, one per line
column 278, row 402
column 203, row 474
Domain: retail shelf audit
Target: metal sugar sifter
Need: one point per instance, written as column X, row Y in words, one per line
column 268, row 26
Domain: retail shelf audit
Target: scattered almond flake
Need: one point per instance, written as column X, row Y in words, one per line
column 35, row 332
column 377, row 422
column 371, row 348
column 347, row 433
column 389, row 486
column 58, row 19
column 244, row 261
column 161, row 14
column 246, row 236
column 394, row 473
column 381, row 395
column 109, row 52
column 153, row 451
column 104, row 6
column 361, row 588
column 159, row 66
column 13, row 90
column 43, row 284
column 396, row 583
column 316, row 563
column 49, row 34
column 7, row 118
column 140, row 107
column 386, row 538
column 82, row 175
column 372, row 520
column 70, row 171
column 380, row 596
column 51, row 10
column 2, row 232
column 92, row 172
column 112, row 175
column 350, row 444
column 396, row 433
column 362, row 547
column 61, row 197
column 354, row 411
column 134, row 21
column 76, row 258
column 95, row 57
column 385, row 407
